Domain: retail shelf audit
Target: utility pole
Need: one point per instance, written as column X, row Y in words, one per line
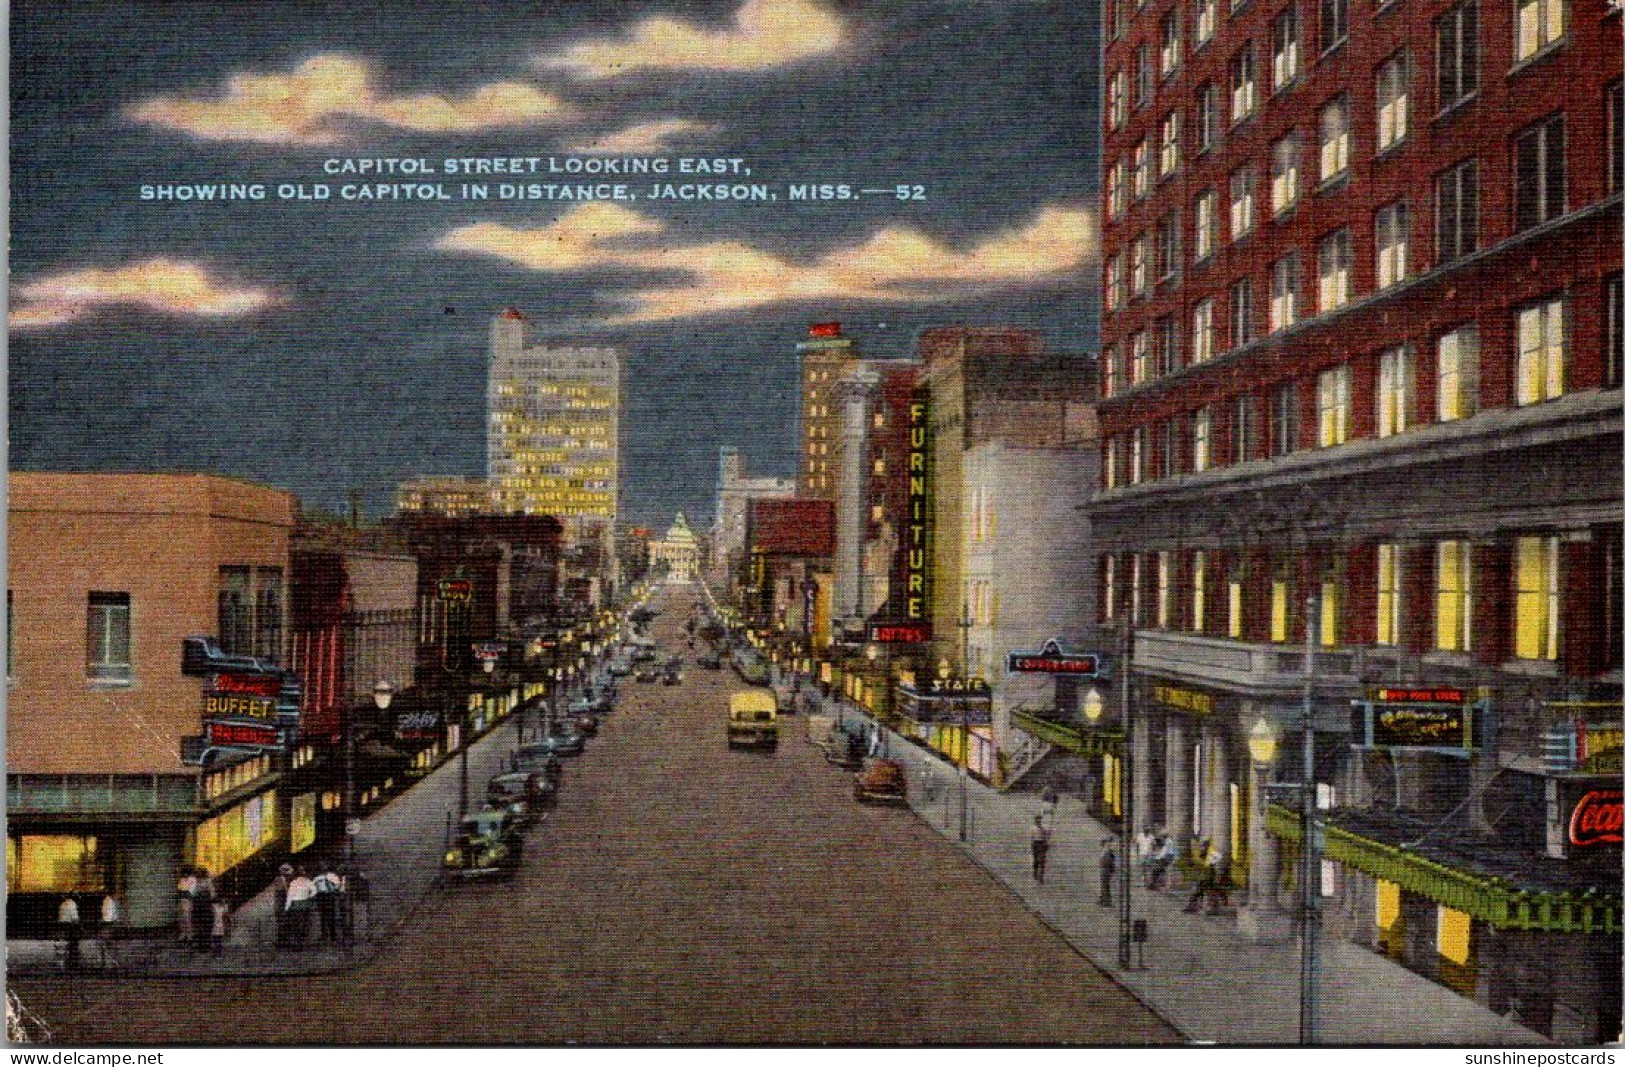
column 1125, row 792
column 964, row 724
column 1310, row 881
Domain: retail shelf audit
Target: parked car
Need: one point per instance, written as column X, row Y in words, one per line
column 710, row 661
column 564, row 742
column 487, row 845
column 753, row 719
column 547, row 764
column 845, row 745
column 525, row 794
column 619, row 667
column 649, row 673
column 882, row 782
column 585, row 725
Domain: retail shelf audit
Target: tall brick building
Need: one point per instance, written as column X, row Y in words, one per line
column 1361, row 384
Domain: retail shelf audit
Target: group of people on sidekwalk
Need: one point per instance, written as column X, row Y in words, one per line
column 324, row 904
column 201, row 912
column 71, row 925
column 1157, row 854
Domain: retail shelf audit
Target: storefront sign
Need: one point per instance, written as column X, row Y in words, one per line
column 456, row 590
column 1597, row 818
column 917, row 532
column 1392, row 695
column 955, row 687
column 241, row 696
column 1053, row 659
column 417, row 725
column 241, row 735
column 1191, row 700
column 899, row 633
column 1418, row 726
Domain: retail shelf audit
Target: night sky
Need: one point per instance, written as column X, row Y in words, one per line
column 324, row 347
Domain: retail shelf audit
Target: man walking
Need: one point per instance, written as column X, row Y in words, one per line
column 1040, row 845
column 327, row 903
column 1108, row 871
column 67, row 917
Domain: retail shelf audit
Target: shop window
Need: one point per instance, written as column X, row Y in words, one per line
column 1542, row 341
column 107, row 638
column 54, row 863
column 1538, row 599
column 1454, row 598
column 1455, row 35
column 1458, row 374
column 1389, row 595
column 1331, row 610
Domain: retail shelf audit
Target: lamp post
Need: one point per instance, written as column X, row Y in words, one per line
column 382, row 694
column 1125, row 798
column 1310, row 880
column 944, row 672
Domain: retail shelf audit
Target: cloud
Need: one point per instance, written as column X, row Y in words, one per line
column 171, row 287
column 312, row 105
column 643, row 138
column 896, row 263
column 765, row 34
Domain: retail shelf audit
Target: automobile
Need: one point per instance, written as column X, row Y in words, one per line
column 620, row 668
column 672, row 677
column 545, row 763
column 649, row 673
column 753, row 671
column 585, row 725
column 710, row 661
column 525, row 794
column 643, row 654
column 845, row 745
column 753, row 719
column 487, row 845
column 882, row 782
column 596, row 705
column 562, row 742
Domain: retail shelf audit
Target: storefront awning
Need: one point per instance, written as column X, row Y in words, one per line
column 1070, row 737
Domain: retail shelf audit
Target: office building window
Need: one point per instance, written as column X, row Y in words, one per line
column 1207, row 118
column 1202, row 331
column 1137, row 266
column 1453, row 614
column 1164, row 588
column 1334, row 139
column 1455, row 35
column 1168, row 52
column 1334, row 23
column 1616, row 137
column 1538, row 598
column 1139, row 358
column 1336, row 263
column 1117, row 100
column 1136, row 455
column 1284, row 174
column 1284, row 283
column 1243, row 85
column 1136, row 582
column 1393, row 101
column 1456, row 191
column 1284, row 420
column 1112, row 462
column 1170, row 458
column 1389, row 597
column 1331, row 604
column 1198, row 592
column 1207, row 21
column 1167, row 246
column 1280, row 601
column 1142, row 169
column 1541, row 177
column 1202, row 440
column 1542, row 345
column 1335, row 405
column 1143, row 76
column 1243, row 430
column 1168, row 161
column 250, row 611
column 1539, row 25
column 1207, row 224
column 1393, row 244
column 1284, row 69
column 107, row 638
column 1458, row 374
column 1114, row 283
column 1241, row 203
column 1241, row 313
column 1233, row 605
column 1396, row 385
column 1111, row 371
column 1114, row 191
column 1167, row 345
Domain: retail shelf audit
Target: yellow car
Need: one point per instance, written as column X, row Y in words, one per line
column 753, row 719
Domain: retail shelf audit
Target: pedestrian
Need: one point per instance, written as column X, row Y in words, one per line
column 1108, row 871
column 279, row 902
column 185, row 888
column 327, row 902
column 1218, row 865
column 1204, row 876
column 202, row 906
column 1163, row 855
column 359, row 892
column 67, row 918
column 1040, row 844
column 301, row 904
column 217, row 928
column 108, row 931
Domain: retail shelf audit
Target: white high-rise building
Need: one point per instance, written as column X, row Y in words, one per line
column 553, row 429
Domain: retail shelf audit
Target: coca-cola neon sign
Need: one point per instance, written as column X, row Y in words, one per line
column 1599, row 817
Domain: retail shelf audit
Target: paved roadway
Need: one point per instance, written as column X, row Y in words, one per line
column 680, row 893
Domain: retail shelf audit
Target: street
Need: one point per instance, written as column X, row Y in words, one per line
column 679, row 893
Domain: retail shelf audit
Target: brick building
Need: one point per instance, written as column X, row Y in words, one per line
column 1361, row 387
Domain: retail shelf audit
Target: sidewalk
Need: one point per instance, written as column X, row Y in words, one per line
column 399, row 847
column 1201, row 973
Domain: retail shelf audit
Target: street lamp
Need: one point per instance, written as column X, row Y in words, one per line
column 1094, row 705
column 1262, row 743
column 382, row 694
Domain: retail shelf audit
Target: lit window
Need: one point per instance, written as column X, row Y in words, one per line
column 1334, row 406
column 1285, row 66
column 1241, row 313
column 1115, row 296
column 1137, row 266
column 1393, row 101
column 1136, row 457
column 1167, row 246
column 1241, row 203
column 1542, row 340
column 1395, row 390
column 1135, row 583
column 1539, row 25
column 1117, row 99
column 1113, row 458
column 1116, row 201
column 1168, row 35
column 1388, row 595
column 1453, row 617
column 1110, row 371
column 1336, row 262
column 1537, row 607
column 1279, row 621
column 1207, row 19
column 1202, row 331
column 1202, row 440
column 1393, row 244
column 1168, row 161
column 1243, row 87
column 1142, row 169
column 1139, row 358
column 1334, row 139
column 1207, row 118
column 1164, row 588
column 1284, row 284
column 1198, row 592
column 1109, row 587
column 1284, row 174
column 1207, row 210
column 1233, row 614
column 107, row 638
column 1458, row 374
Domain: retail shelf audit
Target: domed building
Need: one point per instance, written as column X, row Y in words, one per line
column 679, row 550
